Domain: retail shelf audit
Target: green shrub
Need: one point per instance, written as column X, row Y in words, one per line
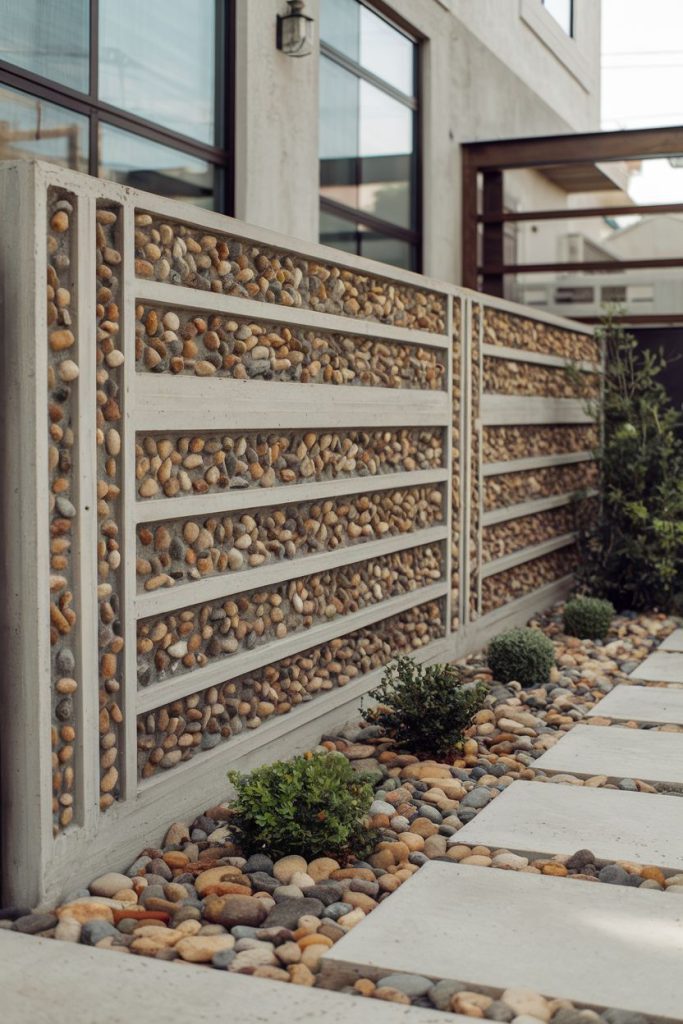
column 588, row 617
column 524, row 655
column 632, row 552
column 310, row 805
column 426, row 708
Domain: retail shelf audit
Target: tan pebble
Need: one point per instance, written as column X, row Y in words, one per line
column 300, row 974
column 199, row 949
column 311, row 955
column 391, row 995
column 526, row 1001
column 60, row 221
column 286, row 867
column 322, row 867
column 68, row 370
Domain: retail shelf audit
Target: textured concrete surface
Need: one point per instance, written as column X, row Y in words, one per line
column 674, row 642
column 617, row 752
column 43, row 980
column 655, row 704
column 538, row 818
column 660, row 667
column 601, row 944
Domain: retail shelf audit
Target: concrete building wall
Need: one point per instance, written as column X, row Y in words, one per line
column 489, row 69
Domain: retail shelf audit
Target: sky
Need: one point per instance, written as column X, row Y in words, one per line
column 642, row 81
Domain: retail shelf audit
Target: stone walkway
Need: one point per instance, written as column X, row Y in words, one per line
column 600, row 946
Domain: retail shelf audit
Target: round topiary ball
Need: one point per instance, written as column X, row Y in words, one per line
column 589, row 618
column 523, row 655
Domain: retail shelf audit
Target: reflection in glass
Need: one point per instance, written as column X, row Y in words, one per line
column 364, row 37
column 47, row 38
column 362, row 240
column 32, row 129
column 135, row 161
column 368, row 158
column 388, row 250
column 562, row 12
column 338, row 232
column 340, row 26
column 366, row 146
column 157, row 61
column 386, row 52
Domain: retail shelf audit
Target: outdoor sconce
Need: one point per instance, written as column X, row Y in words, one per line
column 294, row 35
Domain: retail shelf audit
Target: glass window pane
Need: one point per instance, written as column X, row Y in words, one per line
column 339, row 113
column 32, row 129
column 386, row 52
column 361, row 240
column 561, row 11
column 388, row 250
column 386, row 148
column 338, row 232
column 340, row 26
column 359, row 120
column 135, row 161
column 48, row 39
column 157, row 60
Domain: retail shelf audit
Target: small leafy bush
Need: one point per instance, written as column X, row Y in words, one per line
column 588, row 617
column 524, row 655
column 309, row 805
column 426, row 708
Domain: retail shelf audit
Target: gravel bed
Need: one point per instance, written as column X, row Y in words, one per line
column 199, row 898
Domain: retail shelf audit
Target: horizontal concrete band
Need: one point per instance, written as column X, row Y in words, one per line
column 178, row 296
column 500, row 410
column 157, row 509
column 41, row 974
column 541, row 819
column 201, row 404
column 601, row 945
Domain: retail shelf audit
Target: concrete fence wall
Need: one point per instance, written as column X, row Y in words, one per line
column 239, row 476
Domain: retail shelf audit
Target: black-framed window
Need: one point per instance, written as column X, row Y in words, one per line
column 369, row 152
column 563, row 13
column 137, row 92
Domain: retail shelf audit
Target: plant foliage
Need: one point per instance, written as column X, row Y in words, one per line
column 588, row 617
column 309, row 805
column 524, row 655
column 633, row 553
column 426, row 708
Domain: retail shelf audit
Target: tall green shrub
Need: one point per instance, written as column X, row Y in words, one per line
column 633, row 550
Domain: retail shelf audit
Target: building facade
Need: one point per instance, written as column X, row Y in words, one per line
column 356, row 144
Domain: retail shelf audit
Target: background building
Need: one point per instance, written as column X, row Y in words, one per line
column 357, row 144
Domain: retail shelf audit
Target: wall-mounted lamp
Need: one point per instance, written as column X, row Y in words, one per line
column 294, row 32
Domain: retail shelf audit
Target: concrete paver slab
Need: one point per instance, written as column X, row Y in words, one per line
column 602, row 945
column 649, row 704
column 41, row 975
column 674, row 642
column 660, row 667
column 537, row 818
column 618, row 753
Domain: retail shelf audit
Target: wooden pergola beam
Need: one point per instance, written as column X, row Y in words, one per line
column 588, row 147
